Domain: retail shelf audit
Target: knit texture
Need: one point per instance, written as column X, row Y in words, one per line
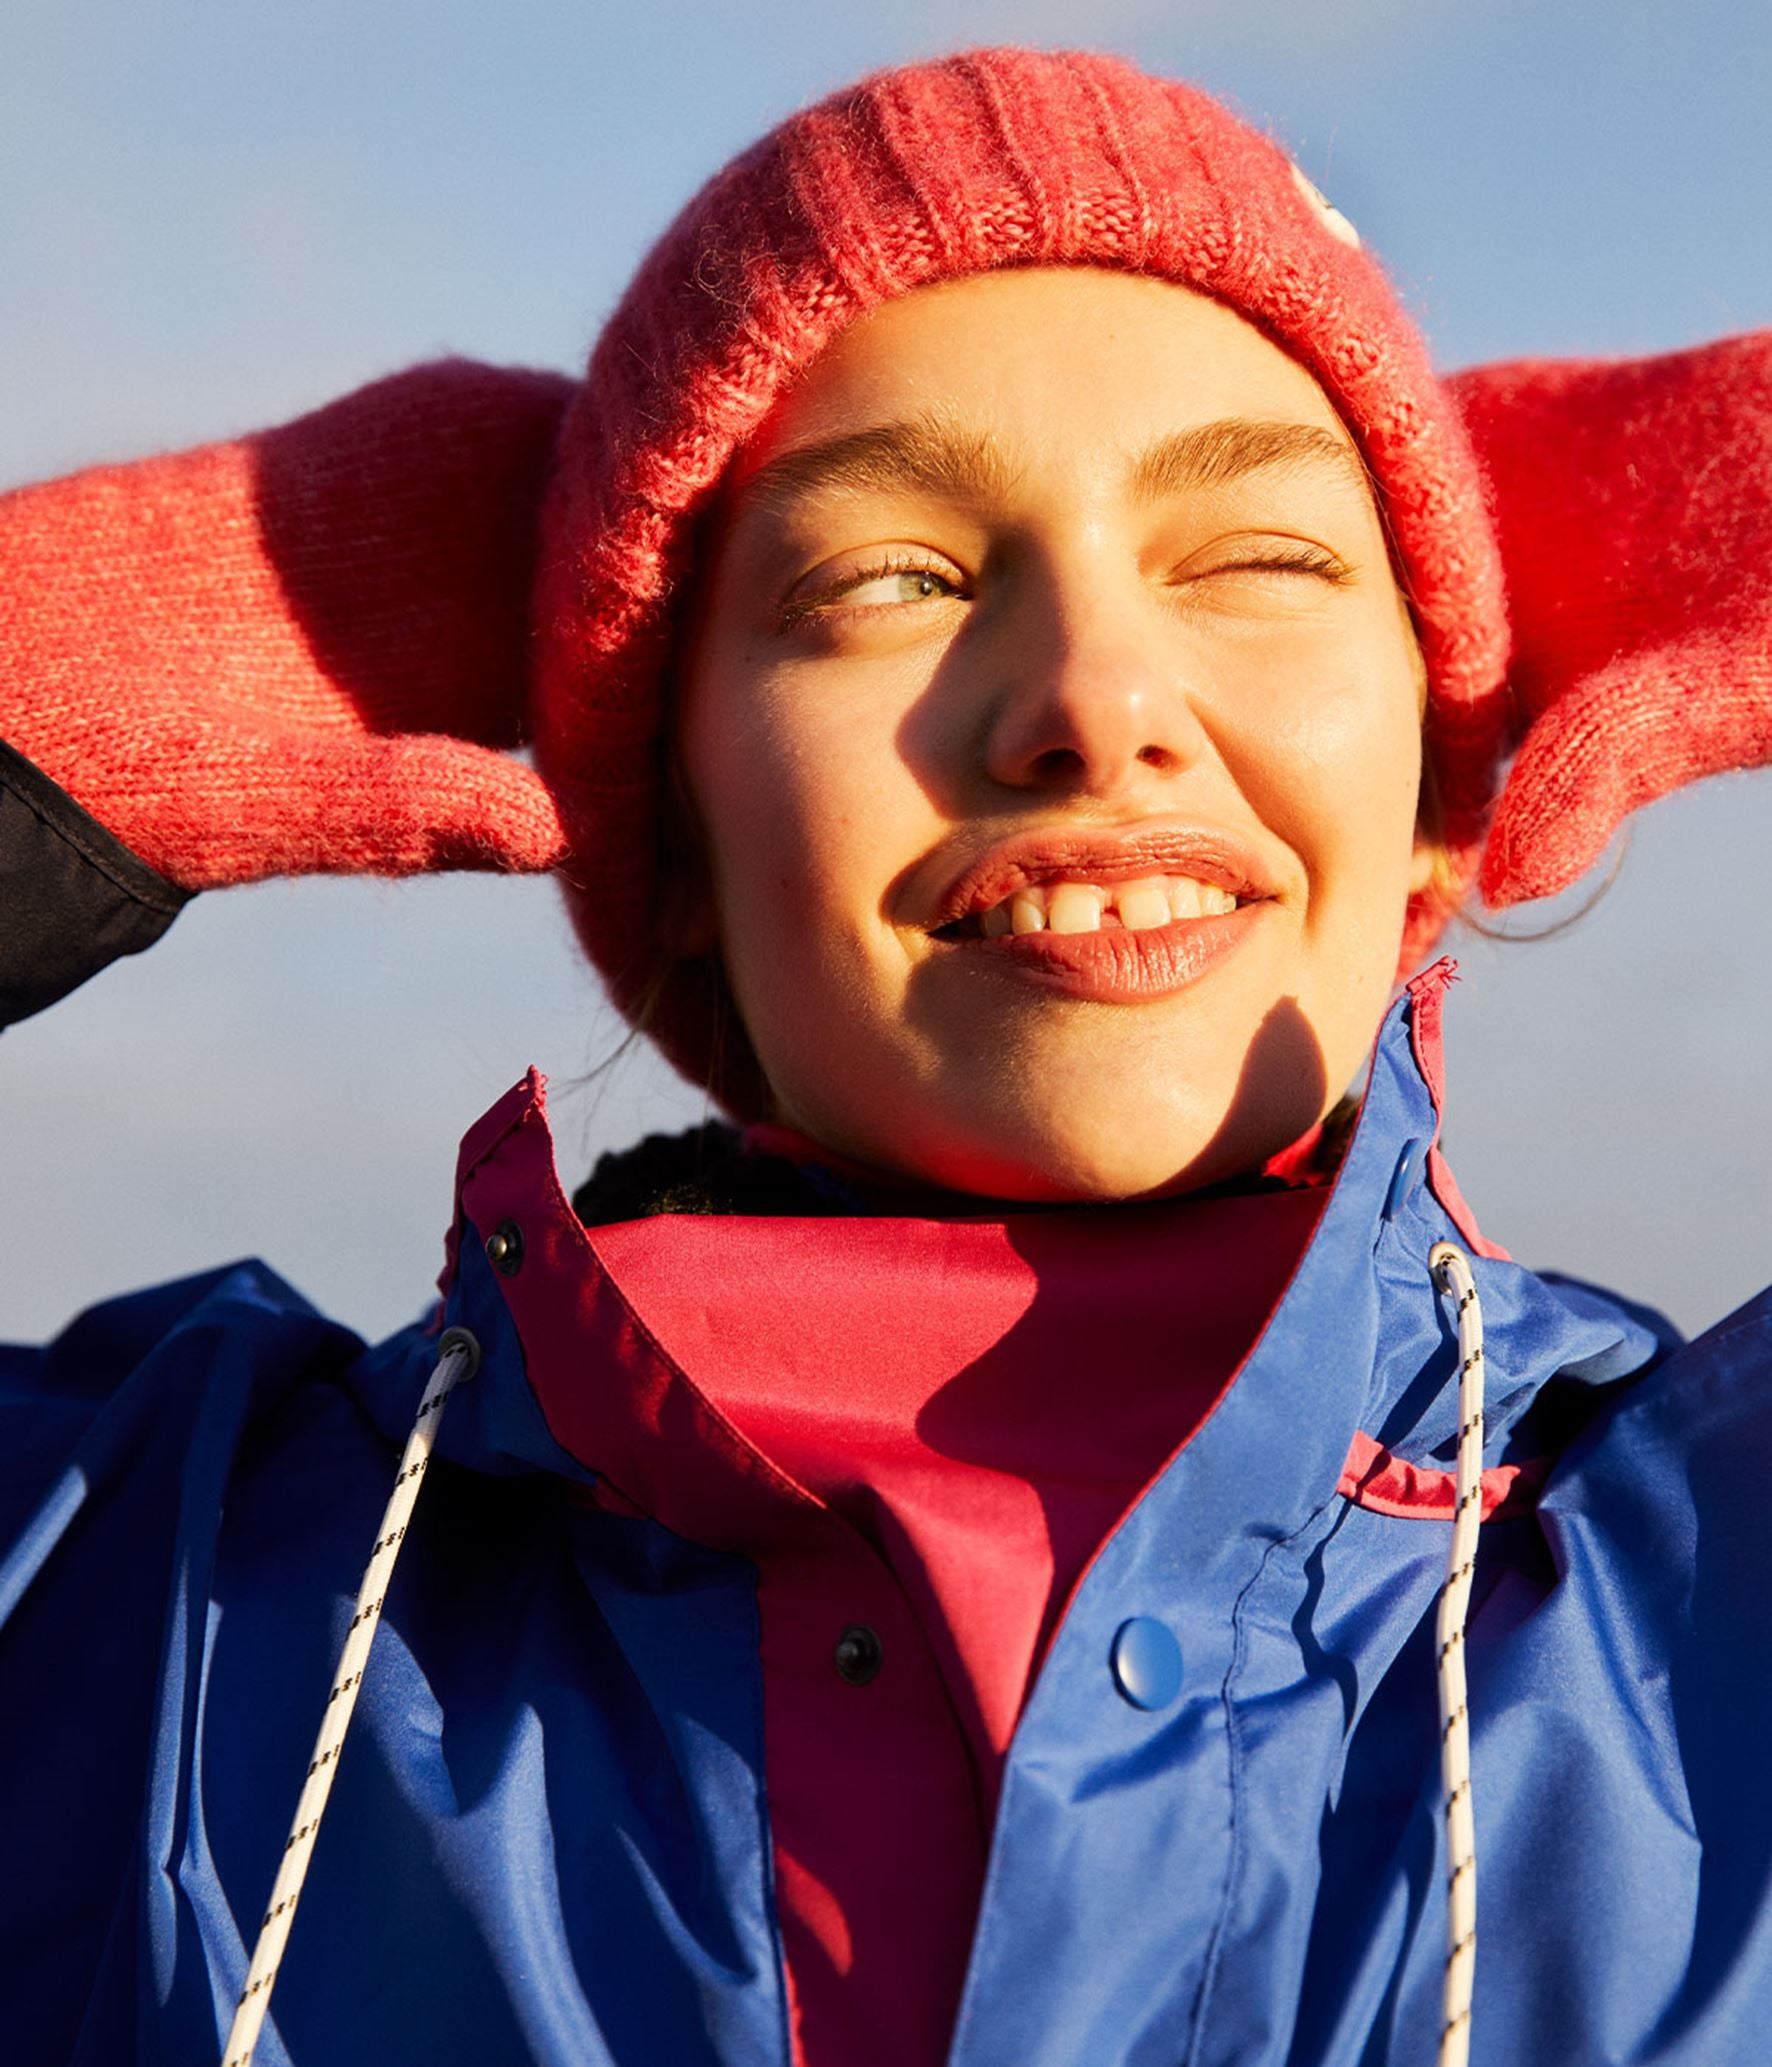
column 302, row 650
column 314, row 648
column 1634, row 505
column 995, row 158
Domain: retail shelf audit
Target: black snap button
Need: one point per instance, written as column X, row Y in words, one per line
column 504, row 1249
column 857, row 1655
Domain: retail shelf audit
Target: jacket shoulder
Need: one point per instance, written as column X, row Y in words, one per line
column 138, row 1374
column 1656, row 1521
column 1693, row 1431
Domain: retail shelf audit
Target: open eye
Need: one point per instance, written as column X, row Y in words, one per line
column 899, row 585
column 895, row 582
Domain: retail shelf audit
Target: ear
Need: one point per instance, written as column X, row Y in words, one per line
column 1633, row 502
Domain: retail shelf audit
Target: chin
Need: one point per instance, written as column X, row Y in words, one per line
column 1058, row 1119
column 1039, row 1158
column 1111, row 1173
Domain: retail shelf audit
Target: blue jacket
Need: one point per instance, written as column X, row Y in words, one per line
column 549, row 1839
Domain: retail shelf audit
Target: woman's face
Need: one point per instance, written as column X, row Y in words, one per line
column 1052, row 720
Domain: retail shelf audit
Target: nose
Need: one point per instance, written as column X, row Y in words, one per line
column 1092, row 702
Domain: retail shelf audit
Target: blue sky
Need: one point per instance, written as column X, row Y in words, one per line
column 214, row 216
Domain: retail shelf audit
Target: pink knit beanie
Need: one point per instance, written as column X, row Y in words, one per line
column 997, row 158
column 306, row 650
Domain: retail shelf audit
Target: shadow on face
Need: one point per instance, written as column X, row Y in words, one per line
column 1070, row 581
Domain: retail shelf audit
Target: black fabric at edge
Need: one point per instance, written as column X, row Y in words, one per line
column 73, row 898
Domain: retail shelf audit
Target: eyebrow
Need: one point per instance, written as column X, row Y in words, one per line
column 1213, row 454
column 941, row 458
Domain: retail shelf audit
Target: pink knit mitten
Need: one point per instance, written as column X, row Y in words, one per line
column 1634, row 505
column 298, row 651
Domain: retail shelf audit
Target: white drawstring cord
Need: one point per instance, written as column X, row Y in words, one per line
column 1452, row 1268
column 458, row 1358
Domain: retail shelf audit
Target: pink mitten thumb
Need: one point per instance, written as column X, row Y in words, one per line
column 1633, row 501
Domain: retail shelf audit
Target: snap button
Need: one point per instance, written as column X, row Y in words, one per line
column 1146, row 1661
column 1405, row 1177
column 504, row 1249
column 857, row 1655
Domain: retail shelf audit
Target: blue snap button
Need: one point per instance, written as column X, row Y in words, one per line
column 1406, row 1177
column 1146, row 1662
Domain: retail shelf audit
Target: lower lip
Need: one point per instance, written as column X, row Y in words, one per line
column 1118, row 965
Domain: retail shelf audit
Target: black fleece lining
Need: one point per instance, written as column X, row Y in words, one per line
column 708, row 1169
column 73, row 898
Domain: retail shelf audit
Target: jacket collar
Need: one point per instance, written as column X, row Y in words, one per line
column 586, row 1391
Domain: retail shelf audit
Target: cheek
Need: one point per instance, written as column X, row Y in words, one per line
column 802, row 798
column 1328, row 753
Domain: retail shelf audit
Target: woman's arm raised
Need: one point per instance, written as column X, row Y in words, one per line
column 302, row 651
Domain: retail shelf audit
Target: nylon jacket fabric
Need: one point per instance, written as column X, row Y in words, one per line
column 549, row 1840
column 72, row 897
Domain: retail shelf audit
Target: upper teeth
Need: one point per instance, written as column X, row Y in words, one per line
column 1083, row 907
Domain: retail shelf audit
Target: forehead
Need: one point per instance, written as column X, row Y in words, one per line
column 1054, row 363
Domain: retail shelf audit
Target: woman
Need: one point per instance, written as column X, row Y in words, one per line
column 1020, row 666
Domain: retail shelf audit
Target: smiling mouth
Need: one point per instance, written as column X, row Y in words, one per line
column 1074, row 907
column 1125, row 943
